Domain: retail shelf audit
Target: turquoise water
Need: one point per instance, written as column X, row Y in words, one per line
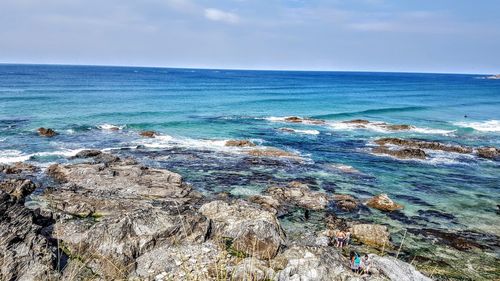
column 196, row 110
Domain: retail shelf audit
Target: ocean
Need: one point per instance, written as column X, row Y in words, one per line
column 196, row 110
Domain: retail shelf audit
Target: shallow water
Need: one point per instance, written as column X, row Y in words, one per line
column 197, row 110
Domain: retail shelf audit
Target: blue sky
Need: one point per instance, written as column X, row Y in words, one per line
column 365, row 35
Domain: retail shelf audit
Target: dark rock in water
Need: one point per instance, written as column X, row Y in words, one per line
column 272, row 152
column 401, row 217
column 46, row 132
column 141, row 146
column 88, row 153
column 488, row 152
column 148, row 134
column 406, row 153
column 18, row 188
column 295, row 119
column 436, row 214
column 239, row 143
column 413, row 200
column 357, row 121
column 397, row 127
column 418, row 144
column 384, row 203
column 453, row 239
column 345, row 202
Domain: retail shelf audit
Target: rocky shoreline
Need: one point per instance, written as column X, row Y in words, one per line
column 105, row 218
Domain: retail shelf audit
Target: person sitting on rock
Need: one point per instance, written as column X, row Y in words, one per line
column 365, row 265
column 339, row 239
column 355, row 262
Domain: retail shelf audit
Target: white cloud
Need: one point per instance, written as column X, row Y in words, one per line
column 218, row 15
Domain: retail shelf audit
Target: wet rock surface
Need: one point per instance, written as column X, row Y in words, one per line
column 362, row 123
column 46, row 132
column 148, row 134
column 271, row 152
column 383, row 203
column 295, row 119
column 418, row 144
column 488, row 152
column 405, row 153
column 239, row 143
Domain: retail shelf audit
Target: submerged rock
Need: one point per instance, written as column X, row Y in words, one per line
column 148, row 134
column 299, row 194
column 371, row 234
column 246, row 229
column 345, row 202
column 46, row 132
column 295, row 119
column 384, row 203
column 239, row 143
column 418, row 144
column 357, row 121
column 361, row 123
column 271, row 152
column 405, row 153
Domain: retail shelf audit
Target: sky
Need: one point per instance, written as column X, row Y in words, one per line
column 454, row 36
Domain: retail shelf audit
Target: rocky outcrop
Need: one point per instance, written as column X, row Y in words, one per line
column 245, row 228
column 239, row 143
column 405, row 153
column 371, row 234
column 148, row 134
column 311, row 263
column 418, row 144
column 295, row 119
column 345, row 202
column 488, row 152
column 396, row 269
column 18, row 168
column 272, row 152
column 383, row 203
column 299, row 194
column 24, row 253
column 17, row 188
column 46, row 132
column 363, row 124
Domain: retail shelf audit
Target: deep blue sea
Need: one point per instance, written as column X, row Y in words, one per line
column 196, row 110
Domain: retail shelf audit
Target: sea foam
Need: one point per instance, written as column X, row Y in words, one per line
column 485, row 126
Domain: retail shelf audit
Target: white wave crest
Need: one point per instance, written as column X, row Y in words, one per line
column 109, row 127
column 381, row 127
column 12, row 156
column 305, row 132
column 485, row 126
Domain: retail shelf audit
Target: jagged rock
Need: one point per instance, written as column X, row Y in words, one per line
column 24, row 253
column 371, row 234
column 299, row 194
column 267, row 202
column 405, row 153
column 418, row 144
column 239, row 143
column 396, row 270
column 401, row 127
column 119, row 211
column 488, row 152
column 312, row 263
column 248, row 229
column 271, row 152
column 88, row 153
column 357, row 121
column 251, row 269
column 148, row 134
column 17, row 188
column 46, row 132
column 383, row 203
column 18, row 168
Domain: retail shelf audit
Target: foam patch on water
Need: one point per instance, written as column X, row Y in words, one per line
column 379, row 127
column 305, row 132
column 109, row 127
column 11, row 156
column 485, row 126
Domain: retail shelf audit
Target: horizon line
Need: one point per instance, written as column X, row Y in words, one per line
column 242, row 69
